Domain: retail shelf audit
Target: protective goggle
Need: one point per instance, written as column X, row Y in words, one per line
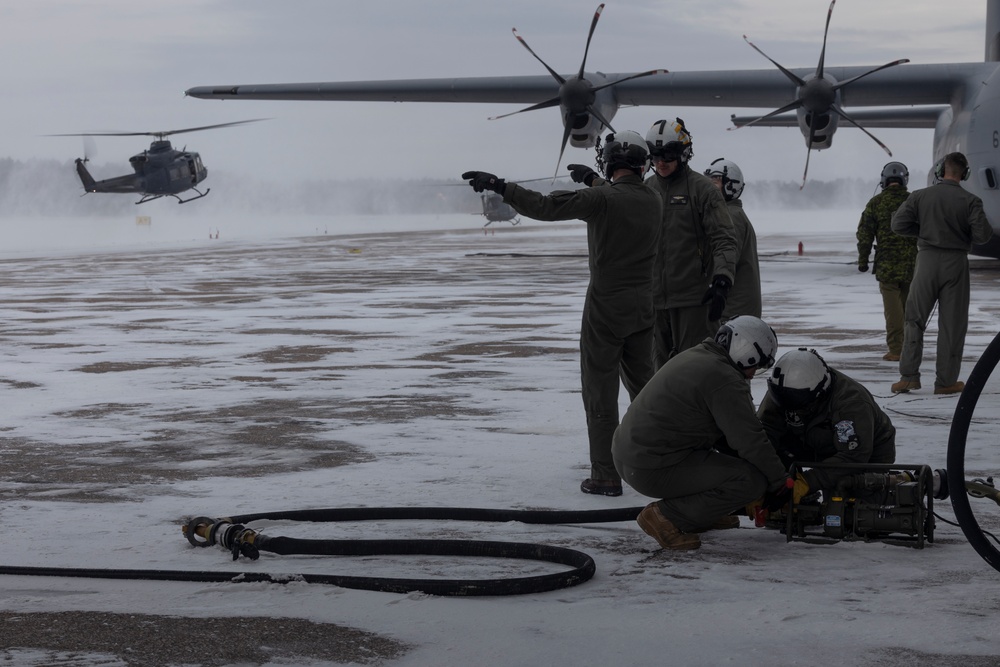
column 668, row 152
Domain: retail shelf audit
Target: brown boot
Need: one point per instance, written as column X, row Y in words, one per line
column 661, row 529
column 904, row 386
column 950, row 389
column 890, row 356
column 722, row 523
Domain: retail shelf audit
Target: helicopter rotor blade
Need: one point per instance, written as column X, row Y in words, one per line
column 158, row 134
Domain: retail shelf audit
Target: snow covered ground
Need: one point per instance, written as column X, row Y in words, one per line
column 150, row 374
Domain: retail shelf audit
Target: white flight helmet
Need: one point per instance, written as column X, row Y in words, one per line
column 670, row 139
column 799, row 378
column 625, row 149
column 731, row 175
column 749, row 342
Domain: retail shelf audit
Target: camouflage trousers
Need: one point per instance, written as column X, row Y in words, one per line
column 894, row 305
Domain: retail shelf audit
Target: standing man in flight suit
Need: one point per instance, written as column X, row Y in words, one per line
column 697, row 245
column 895, row 255
column 623, row 227
column 744, row 297
column 946, row 220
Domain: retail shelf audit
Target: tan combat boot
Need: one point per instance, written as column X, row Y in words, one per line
column 950, row 389
column 661, row 529
column 904, row 386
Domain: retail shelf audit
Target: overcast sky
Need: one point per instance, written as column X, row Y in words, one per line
column 100, row 65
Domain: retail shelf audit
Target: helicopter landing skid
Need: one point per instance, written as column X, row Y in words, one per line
column 146, row 198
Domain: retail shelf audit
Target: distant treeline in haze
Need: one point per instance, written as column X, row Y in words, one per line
column 51, row 188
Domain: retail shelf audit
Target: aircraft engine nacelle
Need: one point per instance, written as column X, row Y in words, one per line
column 817, row 97
column 585, row 128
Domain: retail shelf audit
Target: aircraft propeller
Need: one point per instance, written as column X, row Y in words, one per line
column 818, row 95
column 576, row 95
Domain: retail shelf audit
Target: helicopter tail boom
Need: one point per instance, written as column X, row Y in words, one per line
column 89, row 184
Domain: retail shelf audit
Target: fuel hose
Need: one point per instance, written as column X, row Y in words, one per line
column 232, row 534
column 956, row 453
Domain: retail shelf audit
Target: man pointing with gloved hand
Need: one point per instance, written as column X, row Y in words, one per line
column 623, row 228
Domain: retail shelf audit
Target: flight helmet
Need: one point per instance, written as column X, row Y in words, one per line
column 749, row 342
column 625, row 149
column 800, row 378
column 731, row 175
column 895, row 172
column 670, row 139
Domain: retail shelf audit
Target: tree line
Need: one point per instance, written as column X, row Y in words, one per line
column 40, row 187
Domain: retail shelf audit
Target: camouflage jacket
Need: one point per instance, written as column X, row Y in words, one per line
column 895, row 255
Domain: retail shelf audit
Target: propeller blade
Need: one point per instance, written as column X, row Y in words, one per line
column 788, row 107
column 840, row 112
column 593, row 24
column 541, row 105
column 812, row 137
column 822, row 53
column 791, row 76
column 629, row 78
column 841, row 84
column 597, row 114
column 806, row 170
column 567, row 129
column 525, row 45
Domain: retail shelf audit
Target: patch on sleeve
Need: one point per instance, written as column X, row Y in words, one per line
column 846, row 434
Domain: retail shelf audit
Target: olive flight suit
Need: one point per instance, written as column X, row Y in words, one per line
column 623, row 225
column 844, row 426
column 946, row 220
column 697, row 242
column 744, row 297
column 895, row 256
column 692, row 438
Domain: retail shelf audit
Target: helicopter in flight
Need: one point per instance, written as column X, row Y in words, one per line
column 160, row 171
column 496, row 210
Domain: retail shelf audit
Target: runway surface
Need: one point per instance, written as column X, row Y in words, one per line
column 145, row 385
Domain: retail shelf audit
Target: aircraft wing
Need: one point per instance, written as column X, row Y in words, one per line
column 905, row 85
column 907, row 117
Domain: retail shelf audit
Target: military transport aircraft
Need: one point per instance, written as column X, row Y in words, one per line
column 960, row 101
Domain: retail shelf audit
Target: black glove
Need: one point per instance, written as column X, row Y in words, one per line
column 775, row 500
column 581, row 173
column 482, row 180
column 862, row 266
column 716, row 296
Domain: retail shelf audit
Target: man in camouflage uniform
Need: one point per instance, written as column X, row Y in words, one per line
column 623, row 226
column 895, row 255
column 697, row 245
column 947, row 220
column 744, row 298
